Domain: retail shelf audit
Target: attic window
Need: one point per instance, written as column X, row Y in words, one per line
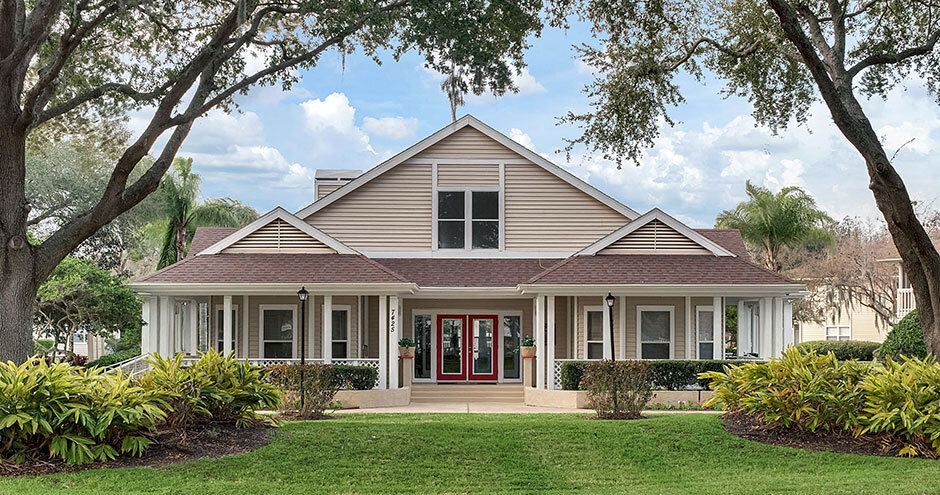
column 468, row 218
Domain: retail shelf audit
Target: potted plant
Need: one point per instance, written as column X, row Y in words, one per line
column 406, row 348
column 527, row 347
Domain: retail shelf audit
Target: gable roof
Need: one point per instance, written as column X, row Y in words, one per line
column 207, row 236
column 468, row 120
column 273, row 215
column 655, row 215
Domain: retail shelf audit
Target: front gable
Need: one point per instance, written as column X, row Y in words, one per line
column 278, row 232
column 655, row 233
column 543, row 209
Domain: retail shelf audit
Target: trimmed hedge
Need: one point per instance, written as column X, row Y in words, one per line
column 844, row 350
column 905, row 339
column 668, row 375
column 113, row 358
column 360, row 377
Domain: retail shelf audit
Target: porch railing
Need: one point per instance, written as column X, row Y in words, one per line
column 905, row 301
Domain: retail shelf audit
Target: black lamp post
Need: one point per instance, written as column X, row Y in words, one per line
column 610, row 312
column 302, row 294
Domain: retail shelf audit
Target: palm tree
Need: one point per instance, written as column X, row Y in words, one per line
column 179, row 194
column 769, row 222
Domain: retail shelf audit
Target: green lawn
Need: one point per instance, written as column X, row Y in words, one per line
column 437, row 453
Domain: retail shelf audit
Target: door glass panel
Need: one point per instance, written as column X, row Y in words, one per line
column 483, row 346
column 511, row 335
column 451, row 345
column 423, row 346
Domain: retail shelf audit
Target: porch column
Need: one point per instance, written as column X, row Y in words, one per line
column 394, row 333
column 538, row 332
column 383, row 342
column 246, row 312
column 193, row 326
column 608, row 345
column 689, row 340
column 550, row 351
column 766, row 327
column 154, row 325
column 311, row 325
column 165, row 327
column 623, row 327
column 227, row 324
column 146, row 327
column 718, row 348
column 744, row 322
column 778, row 326
column 327, row 329
column 788, row 337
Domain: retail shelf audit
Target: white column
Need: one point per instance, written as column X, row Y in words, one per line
column 155, row 325
column 227, row 324
column 744, row 322
column 718, row 344
column 327, row 329
column 607, row 344
column 766, row 328
column 165, row 327
column 394, row 333
column 788, row 337
column 245, row 336
column 576, row 338
column 383, row 342
column 311, row 325
column 689, row 341
column 357, row 352
column 146, row 328
column 550, row 350
column 193, row 326
column 623, row 327
column 778, row 326
column 538, row 331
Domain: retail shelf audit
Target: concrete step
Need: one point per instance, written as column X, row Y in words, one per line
column 422, row 393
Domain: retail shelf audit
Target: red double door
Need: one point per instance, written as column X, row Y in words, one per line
column 467, row 348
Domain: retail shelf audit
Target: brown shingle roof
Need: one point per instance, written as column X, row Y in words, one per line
column 207, row 236
column 441, row 272
column 263, row 268
column 729, row 239
column 657, row 269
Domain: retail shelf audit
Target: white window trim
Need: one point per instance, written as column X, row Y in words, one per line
column 672, row 328
column 698, row 347
column 838, row 332
column 468, row 216
column 216, row 330
column 348, row 309
column 276, row 307
column 585, row 311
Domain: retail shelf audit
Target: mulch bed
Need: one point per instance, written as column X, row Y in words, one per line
column 208, row 443
column 749, row 428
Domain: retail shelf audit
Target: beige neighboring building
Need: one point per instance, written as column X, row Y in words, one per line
column 465, row 242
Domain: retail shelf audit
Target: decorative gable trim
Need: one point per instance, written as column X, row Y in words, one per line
column 288, row 227
column 468, row 120
column 655, row 233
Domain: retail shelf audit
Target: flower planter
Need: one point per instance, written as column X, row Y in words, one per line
column 406, row 352
column 527, row 351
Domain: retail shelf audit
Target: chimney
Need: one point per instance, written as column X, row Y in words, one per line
column 327, row 181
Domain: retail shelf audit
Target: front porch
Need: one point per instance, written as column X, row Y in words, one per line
column 467, row 338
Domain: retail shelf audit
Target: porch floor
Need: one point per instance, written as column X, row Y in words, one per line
column 465, row 393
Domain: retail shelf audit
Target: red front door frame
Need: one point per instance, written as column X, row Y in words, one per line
column 465, row 350
column 493, row 375
column 461, row 346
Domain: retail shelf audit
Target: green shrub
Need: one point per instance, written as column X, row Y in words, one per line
column 902, row 400
column 804, row 390
column 319, row 387
column 844, row 350
column 668, row 375
column 618, row 389
column 215, row 388
column 905, row 339
column 113, row 358
column 75, row 414
column 357, row 377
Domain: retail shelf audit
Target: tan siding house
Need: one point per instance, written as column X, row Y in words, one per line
column 465, row 242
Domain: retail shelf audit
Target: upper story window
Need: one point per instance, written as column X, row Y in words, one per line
column 468, row 219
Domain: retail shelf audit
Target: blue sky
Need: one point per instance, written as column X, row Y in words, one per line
column 356, row 115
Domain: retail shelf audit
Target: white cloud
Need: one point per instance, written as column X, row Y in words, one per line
column 522, row 138
column 332, row 122
column 391, row 127
column 526, row 82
